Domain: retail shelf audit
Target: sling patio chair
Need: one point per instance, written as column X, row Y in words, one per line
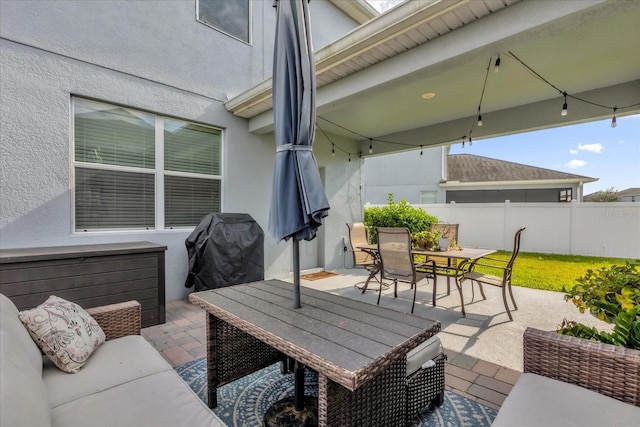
column 502, row 269
column 359, row 236
column 397, row 264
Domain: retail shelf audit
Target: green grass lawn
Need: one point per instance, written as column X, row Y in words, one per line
column 551, row 271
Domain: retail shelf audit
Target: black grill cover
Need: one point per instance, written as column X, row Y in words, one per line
column 225, row 249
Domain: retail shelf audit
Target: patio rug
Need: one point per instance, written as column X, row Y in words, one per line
column 317, row 276
column 245, row 401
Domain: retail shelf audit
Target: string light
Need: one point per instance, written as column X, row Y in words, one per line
column 477, row 122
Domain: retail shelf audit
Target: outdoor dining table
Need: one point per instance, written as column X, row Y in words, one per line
column 460, row 259
column 358, row 349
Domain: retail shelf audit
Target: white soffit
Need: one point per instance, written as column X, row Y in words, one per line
column 402, row 28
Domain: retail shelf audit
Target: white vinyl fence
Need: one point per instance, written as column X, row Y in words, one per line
column 595, row 229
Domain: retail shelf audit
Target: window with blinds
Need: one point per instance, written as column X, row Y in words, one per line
column 117, row 176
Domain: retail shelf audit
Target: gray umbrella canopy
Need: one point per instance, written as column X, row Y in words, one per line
column 298, row 203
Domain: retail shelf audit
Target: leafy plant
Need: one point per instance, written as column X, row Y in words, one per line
column 397, row 215
column 425, row 239
column 613, row 296
column 607, row 291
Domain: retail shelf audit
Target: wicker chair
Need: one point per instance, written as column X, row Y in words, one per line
column 505, row 268
column 446, row 266
column 358, row 236
column 396, row 261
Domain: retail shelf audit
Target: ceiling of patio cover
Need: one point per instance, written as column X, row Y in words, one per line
column 298, row 202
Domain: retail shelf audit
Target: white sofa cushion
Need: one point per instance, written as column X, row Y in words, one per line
column 64, row 331
column 115, row 362
column 428, row 350
column 540, row 401
column 158, row 400
column 23, row 396
column 10, row 322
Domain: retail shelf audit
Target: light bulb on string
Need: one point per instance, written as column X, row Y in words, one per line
column 479, row 117
column 564, row 106
column 463, row 138
column 333, row 150
column 421, row 153
column 470, row 141
column 370, row 145
column 614, row 122
column 349, row 157
column 496, row 67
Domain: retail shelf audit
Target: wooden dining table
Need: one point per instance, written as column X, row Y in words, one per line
column 359, row 350
column 461, row 259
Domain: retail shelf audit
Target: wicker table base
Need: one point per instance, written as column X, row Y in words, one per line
column 359, row 350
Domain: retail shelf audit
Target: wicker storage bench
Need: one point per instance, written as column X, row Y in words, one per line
column 125, row 382
column 570, row 381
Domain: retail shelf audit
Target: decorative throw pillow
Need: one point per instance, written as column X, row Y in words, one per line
column 64, row 331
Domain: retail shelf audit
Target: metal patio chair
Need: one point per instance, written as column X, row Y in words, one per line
column 359, row 236
column 501, row 267
column 397, row 264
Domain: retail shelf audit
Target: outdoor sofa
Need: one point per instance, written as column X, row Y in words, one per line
column 125, row 381
column 570, row 381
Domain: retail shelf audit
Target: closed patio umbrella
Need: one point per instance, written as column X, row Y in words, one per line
column 298, row 202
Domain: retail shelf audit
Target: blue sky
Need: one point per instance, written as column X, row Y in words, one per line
column 592, row 149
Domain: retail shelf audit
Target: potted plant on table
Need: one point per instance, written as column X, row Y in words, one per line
column 425, row 239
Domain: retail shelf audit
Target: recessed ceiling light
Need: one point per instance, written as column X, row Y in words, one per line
column 428, row 95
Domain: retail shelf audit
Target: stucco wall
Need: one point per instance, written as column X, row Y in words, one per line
column 405, row 175
column 158, row 59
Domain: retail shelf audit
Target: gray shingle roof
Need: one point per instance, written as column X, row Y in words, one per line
column 472, row 168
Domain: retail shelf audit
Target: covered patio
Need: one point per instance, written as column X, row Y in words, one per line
column 484, row 349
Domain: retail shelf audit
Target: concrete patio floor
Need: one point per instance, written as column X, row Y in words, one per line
column 484, row 349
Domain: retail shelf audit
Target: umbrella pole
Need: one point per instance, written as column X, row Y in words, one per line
column 296, row 273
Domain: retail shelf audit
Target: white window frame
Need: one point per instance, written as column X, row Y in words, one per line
column 249, row 23
column 159, row 171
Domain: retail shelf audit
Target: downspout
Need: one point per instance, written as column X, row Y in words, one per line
column 442, row 194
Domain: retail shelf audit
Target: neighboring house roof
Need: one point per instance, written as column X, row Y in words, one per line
column 629, row 192
column 634, row 191
column 469, row 168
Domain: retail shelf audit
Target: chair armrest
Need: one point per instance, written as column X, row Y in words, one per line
column 609, row 370
column 118, row 320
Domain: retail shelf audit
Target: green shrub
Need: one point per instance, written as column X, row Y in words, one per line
column 613, row 296
column 397, row 215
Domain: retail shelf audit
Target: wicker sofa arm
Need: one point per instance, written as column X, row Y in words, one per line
column 609, row 370
column 118, row 320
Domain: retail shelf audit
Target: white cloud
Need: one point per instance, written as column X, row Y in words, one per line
column 575, row 164
column 573, row 151
column 594, row 148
